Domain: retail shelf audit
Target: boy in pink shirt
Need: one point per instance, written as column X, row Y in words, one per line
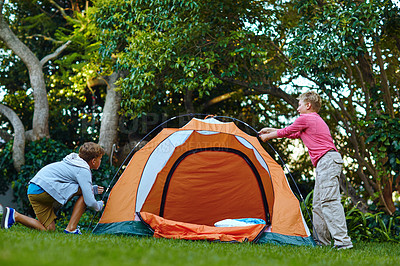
column 328, row 214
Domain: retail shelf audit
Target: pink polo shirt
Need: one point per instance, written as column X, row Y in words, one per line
column 313, row 131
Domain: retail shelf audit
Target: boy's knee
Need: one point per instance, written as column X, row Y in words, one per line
column 78, row 193
column 51, row 227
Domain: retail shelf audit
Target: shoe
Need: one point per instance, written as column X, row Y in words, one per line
column 8, row 218
column 77, row 231
column 339, row 247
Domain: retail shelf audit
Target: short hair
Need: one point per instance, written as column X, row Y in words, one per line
column 90, row 150
column 313, row 98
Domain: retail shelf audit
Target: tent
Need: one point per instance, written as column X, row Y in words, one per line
column 186, row 179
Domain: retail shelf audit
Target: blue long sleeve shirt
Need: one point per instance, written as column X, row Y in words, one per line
column 61, row 180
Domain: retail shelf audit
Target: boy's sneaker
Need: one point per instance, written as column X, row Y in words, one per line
column 75, row 232
column 339, row 247
column 8, row 218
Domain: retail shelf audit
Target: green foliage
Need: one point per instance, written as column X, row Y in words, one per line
column 306, row 209
column 384, row 140
column 35, row 23
column 348, row 49
column 6, row 167
column 362, row 227
column 333, row 30
column 74, row 110
column 172, row 49
column 373, row 227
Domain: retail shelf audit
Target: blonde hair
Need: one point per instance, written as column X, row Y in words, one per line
column 313, row 98
column 90, row 150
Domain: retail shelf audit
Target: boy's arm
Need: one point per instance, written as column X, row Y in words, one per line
column 294, row 130
column 97, row 190
column 267, row 130
column 267, row 136
column 268, row 133
column 85, row 183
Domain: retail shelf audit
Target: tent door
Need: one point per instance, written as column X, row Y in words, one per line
column 216, row 149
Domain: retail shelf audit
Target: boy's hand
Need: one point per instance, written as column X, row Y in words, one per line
column 100, row 189
column 264, row 137
column 268, row 133
column 266, row 130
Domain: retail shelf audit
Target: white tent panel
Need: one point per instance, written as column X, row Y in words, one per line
column 211, row 121
column 156, row 163
column 256, row 153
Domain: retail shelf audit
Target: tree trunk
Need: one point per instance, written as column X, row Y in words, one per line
column 188, row 100
column 18, row 154
column 40, row 124
column 384, row 82
column 349, row 191
column 387, row 195
column 110, row 118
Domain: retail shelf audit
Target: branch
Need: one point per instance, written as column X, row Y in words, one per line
column 286, row 60
column 224, row 97
column 18, row 154
column 384, row 82
column 397, row 41
column 362, row 82
column 352, row 193
column 63, row 13
column 36, row 77
column 15, row 44
column 46, row 38
column 55, row 54
column 271, row 90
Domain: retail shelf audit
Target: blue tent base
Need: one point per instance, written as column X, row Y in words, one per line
column 137, row 228
column 278, row 239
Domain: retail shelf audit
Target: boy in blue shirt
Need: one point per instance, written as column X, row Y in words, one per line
column 57, row 183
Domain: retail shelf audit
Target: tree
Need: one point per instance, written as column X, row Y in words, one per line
column 40, row 126
column 92, row 73
column 218, row 57
column 188, row 50
column 41, row 110
column 202, row 55
column 110, row 119
column 350, row 49
column 50, row 28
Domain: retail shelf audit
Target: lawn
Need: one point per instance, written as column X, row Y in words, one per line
column 22, row 246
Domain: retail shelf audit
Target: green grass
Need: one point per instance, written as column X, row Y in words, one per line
column 23, row 246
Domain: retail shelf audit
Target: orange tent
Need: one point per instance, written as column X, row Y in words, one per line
column 197, row 175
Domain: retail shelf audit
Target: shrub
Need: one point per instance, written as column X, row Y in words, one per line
column 6, row 167
column 371, row 226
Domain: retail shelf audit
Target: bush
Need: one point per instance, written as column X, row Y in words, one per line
column 6, row 167
column 371, row 226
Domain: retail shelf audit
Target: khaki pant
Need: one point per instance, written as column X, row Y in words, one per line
column 328, row 214
column 45, row 207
